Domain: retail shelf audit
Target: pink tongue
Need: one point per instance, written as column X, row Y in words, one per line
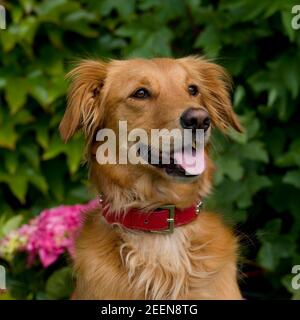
column 193, row 163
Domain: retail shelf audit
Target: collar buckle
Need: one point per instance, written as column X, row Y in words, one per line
column 170, row 219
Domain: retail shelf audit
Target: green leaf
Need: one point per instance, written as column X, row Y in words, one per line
column 74, row 152
column 60, row 284
column 286, row 18
column 8, row 136
column 239, row 95
column 54, row 173
column 231, row 167
column 56, row 147
column 292, row 157
column 237, row 136
column 51, row 11
column 267, row 256
column 254, row 150
column 124, row 8
column 36, row 179
column 18, row 186
column 12, row 224
column 293, row 178
column 31, row 153
column 15, row 94
column 42, row 135
column 9, row 38
column 11, row 161
column 210, row 41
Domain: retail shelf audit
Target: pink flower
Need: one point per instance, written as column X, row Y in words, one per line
column 50, row 234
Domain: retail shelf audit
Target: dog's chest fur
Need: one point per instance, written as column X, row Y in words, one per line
column 197, row 261
column 160, row 265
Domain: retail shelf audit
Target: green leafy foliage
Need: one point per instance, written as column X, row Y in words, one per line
column 60, row 283
column 258, row 178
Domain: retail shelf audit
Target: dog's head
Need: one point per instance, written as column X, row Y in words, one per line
column 188, row 93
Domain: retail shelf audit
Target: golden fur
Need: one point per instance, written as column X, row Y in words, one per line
column 197, row 261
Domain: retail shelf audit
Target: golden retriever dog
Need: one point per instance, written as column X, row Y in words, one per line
column 194, row 259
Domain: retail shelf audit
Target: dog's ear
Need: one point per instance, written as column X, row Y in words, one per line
column 84, row 98
column 215, row 87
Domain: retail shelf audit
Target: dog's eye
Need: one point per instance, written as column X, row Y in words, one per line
column 193, row 90
column 141, row 93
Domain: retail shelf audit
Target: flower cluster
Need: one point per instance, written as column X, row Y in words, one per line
column 47, row 236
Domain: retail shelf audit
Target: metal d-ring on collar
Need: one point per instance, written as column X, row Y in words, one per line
column 101, row 198
column 199, row 207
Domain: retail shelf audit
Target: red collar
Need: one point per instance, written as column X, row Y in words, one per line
column 163, row 219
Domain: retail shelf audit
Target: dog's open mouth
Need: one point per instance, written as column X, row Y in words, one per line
column 187, row 162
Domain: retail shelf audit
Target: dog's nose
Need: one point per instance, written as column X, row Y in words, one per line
column 195, row 118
